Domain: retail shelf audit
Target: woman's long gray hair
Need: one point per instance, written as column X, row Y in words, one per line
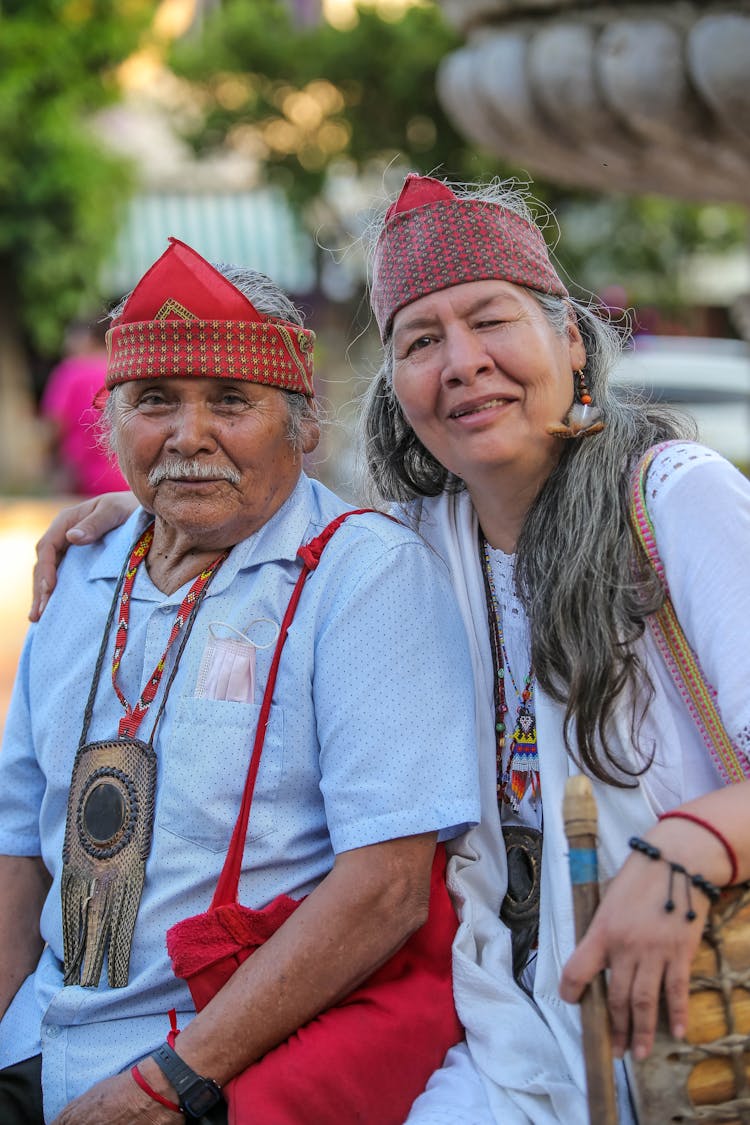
column 576, row 563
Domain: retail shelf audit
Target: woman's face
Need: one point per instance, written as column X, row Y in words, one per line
column 480, row 373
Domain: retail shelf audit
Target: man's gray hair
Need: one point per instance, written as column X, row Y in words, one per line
column 270, row 300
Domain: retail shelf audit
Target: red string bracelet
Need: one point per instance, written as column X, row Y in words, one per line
column 174, row 1030
column 679, row 814
column 152, row 1093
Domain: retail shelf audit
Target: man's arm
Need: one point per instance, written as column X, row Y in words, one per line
column 372, row 900
column 24, row 883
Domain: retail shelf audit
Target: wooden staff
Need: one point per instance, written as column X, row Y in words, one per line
column 579, row 814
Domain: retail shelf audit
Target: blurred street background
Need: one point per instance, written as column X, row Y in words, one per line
column 265, row 132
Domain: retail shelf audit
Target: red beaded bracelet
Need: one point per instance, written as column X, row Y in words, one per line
column 152, row 1093
column 680, row 814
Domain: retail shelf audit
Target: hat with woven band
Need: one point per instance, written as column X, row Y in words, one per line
column 185, row 319
column 433, row 240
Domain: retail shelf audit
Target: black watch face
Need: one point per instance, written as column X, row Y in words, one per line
column 200, row 1100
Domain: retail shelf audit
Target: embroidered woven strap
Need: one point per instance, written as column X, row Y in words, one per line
column 681, row 661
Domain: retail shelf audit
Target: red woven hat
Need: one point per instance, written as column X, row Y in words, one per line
column 432, row 240
column 186, row 319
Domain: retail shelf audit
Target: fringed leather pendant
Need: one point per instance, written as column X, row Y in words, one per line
column 107, row 841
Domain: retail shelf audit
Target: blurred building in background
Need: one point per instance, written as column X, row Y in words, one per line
column 639, row 97
column 650, row 97
column 257, row 227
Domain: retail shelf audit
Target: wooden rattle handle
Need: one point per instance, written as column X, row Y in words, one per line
column 580, row 816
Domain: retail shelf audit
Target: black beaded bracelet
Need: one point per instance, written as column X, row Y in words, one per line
column 710, row 890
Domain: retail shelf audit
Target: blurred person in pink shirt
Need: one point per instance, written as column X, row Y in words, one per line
column 84, row 466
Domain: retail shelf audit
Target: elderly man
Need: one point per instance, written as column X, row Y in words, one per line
column 136, row 708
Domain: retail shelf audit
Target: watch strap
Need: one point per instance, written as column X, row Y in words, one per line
column 189, row 1086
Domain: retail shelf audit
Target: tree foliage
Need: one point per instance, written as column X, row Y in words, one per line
column 643, row 243
column 301, row 98
column 60, row 194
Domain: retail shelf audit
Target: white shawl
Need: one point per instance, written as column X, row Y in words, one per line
column 528, row 1054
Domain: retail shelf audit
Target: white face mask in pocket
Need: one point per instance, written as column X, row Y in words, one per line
column 227, row 669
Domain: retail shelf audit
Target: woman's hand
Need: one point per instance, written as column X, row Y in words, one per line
column 644, row 947
column 83, row 523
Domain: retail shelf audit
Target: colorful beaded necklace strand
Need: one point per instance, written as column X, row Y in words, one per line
column 133, row 715
column 522, row 768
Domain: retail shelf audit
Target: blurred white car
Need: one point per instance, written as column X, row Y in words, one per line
column 708, row 377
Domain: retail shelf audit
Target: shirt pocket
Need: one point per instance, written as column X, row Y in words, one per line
column 203, row 768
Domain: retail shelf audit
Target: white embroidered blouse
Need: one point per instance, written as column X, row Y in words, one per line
column 528, row 1055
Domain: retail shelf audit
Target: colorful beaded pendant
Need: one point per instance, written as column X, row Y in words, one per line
column 519, row 769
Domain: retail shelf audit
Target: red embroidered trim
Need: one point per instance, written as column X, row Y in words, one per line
column 279, row 354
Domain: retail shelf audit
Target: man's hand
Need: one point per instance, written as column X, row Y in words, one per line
column 83, row 523
column 116, row 1101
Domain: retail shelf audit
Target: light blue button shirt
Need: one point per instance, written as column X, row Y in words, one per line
column 371, row 737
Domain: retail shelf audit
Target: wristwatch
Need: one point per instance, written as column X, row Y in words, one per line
column 197, row 1096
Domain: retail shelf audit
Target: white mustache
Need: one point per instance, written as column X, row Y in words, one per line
column 192, row 470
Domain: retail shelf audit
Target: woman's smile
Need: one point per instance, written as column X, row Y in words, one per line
column 467, row 412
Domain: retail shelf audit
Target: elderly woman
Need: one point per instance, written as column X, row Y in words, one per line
column 140, row 697
column 493, row 426
column 493, row 422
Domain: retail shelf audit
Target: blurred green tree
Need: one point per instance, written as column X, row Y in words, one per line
column 61, row 195
column 301, row 98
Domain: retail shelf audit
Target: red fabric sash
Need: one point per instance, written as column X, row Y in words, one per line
column 364, row 1060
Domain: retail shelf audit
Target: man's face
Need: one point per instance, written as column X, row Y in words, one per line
column 210, row 457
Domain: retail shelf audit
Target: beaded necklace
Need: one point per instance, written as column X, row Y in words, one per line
column 185, row 614
column 111, row 800
column 520, row 768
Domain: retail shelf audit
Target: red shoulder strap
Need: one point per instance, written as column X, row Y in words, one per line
column 310, row 553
